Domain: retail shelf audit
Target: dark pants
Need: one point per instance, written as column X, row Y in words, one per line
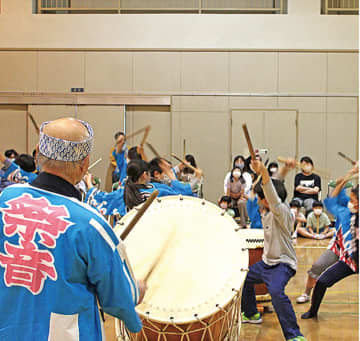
column 275, row 277
column 332, row 275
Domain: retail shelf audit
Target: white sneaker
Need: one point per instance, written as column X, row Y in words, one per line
column 303, row 298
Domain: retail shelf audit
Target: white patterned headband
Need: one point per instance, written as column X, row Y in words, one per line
column 63, row 150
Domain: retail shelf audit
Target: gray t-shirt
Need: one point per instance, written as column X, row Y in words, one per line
column 278, row 223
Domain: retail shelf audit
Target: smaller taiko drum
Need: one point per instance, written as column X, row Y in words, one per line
column 255, row 244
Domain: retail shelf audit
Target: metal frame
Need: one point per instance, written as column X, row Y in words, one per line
column 48, row 8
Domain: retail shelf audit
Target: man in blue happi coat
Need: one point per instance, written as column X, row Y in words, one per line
column 59, row 258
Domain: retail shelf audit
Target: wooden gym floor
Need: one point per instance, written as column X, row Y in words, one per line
column 338, row 315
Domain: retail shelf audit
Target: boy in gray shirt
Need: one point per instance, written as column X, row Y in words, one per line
column 279, row 261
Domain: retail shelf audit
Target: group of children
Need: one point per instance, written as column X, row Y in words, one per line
column 264, row 197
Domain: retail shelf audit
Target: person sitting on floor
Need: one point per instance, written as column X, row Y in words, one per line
column 300, row 219
column 225, row 203
column 317, row 221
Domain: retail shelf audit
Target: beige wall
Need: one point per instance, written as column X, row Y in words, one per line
column 302, row 28
column 302, row 54
column 210, row 125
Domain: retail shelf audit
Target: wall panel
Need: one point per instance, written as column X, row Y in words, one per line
column 253, row 71
column 109, row 72
column 302, row 72
column 61, row 71
column 157, row 71
column 204, row 71
column 18, row 71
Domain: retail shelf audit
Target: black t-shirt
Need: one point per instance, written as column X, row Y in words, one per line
column 309, row 181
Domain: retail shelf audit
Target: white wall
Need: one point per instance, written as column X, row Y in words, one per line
column 302, row 28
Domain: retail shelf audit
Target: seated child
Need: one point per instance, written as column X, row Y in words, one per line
column 224, row 203
column 300, row 219
column 317, row 221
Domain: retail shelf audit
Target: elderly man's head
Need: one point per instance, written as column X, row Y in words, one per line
column 64, row 148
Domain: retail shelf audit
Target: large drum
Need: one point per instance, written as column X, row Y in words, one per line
column 255, row 243
column 194, row 291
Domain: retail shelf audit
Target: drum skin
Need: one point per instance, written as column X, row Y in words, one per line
column 194, row 294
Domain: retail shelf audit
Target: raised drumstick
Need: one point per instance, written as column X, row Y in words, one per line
column 147, row 131
column 153, row 149
column 347, row 158
column 187, row 164
column 248, row 140
column 33, row 122
column 139, row 214
column 322, row 172
column 137, row 132
column 95, row 163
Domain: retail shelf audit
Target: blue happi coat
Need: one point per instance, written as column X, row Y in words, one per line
column 58, row 256
column 15, row 174
column 113, row 203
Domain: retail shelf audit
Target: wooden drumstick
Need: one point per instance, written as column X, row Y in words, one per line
column 137, row 132
column 33, row 122
column 95, row 163
column 147, row 131
column 187, row 164
column 153, row 149
column 139, row 214
column 347, row 158
column 159, row 256
column 248, row 140
column 322, row 172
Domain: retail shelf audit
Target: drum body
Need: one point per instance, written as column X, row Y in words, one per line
column 194, row 291
column 255, row 243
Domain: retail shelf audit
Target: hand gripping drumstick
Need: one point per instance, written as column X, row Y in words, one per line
column 187, row 164
column 322, row 172
column 347, row 158
column 248, row 140
column 153, row 149
column 137, row 132
column 139, row 214
column 147, row 130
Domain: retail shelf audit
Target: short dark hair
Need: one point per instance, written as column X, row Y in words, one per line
column 117, row 134
column 279, row 188
column 307, row 159
column 317, row 203
column 155, row 166
column 133, row 154
column 294, row 203
column 26, row 162
column 225, row 198
column 355, row 190
column 10, row 152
